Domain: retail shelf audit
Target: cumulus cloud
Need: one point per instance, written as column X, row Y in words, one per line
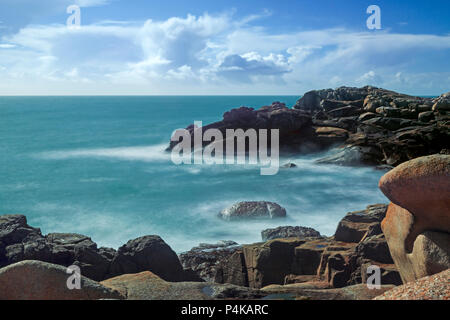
column 215, row 54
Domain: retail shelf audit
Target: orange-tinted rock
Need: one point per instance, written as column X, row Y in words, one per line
column 430, row 251
column 435, row 287
column 421, row 186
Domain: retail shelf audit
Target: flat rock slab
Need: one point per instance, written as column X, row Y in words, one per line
column 320, row 291
column 148, row 286
column 36, row 280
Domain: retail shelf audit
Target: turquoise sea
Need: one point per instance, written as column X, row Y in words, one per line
column 97, row 166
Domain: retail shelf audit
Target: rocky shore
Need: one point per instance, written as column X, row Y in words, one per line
column 407, row 239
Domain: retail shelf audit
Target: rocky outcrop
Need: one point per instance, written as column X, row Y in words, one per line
column 148, row 286
column 295, row 127
column 37, row 280
column 19, row 241
column 252, row 210
column 289, row 232
column 434, row 287
column 338, row 261
column 270, row 262
column 369, row 125
column 417, row 223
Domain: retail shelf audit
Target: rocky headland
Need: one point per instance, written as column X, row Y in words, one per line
column 368, row 125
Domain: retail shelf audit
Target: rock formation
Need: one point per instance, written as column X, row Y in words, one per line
column 417, row 224
column 368, row 125
column 19, row 241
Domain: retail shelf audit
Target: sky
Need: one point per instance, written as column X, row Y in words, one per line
column 246, row 47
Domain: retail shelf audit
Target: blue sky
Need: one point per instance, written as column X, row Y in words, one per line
column 222, row 47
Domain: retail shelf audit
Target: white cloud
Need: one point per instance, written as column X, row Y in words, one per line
column 213, row 54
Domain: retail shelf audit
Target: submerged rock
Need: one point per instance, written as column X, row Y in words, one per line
column 253, row 210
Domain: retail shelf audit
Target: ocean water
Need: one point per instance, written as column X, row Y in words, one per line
column 97, row 166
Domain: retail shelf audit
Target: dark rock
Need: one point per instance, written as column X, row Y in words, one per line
column 289, row 165
column 233, row 270
column 426, row 116
column 205, row 260
column 355, row 225
column 289, row 232
column 148, row 253
column 270, row 262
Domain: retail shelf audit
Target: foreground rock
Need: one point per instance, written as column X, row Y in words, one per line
column 19, row 241
column 205, row 259
column 36, row 280
column 148, row 286
column 355, row 225
column 417, row 224
column 317, row 292
column 435, row 287
column 252, row 210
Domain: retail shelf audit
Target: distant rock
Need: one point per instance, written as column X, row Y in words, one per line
column 289, row 232
column 37, row 280
column 371, row 126
column 253, row 210
column 289, row 165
